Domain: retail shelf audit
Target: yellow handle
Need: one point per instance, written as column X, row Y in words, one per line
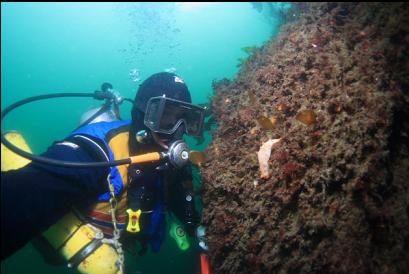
column 133, row 223
column 148, row 157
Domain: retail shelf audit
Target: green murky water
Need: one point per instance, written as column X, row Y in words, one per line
column 67, row 47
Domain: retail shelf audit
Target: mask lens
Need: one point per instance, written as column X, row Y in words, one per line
column 165, row 115
column 171, row 115
column 153, row 113
column 194, row 119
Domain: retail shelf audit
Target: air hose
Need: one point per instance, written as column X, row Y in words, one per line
column 100, row 95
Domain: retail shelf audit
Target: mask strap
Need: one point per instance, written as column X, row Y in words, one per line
column 159, row 141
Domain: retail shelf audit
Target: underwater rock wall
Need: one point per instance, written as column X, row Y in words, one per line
column 335, row 85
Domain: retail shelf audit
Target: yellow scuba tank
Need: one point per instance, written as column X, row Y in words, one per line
column 9, row 159
column 79, row 243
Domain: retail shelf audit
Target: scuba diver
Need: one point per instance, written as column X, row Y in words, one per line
column 125, row 202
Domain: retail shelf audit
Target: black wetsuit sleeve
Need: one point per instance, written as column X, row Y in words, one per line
column 36, row 196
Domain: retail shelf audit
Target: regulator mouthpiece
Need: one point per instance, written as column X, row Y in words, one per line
column 178, row 154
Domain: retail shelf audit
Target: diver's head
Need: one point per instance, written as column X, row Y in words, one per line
column 106, row 87
column 159, row 84
column 163, row 106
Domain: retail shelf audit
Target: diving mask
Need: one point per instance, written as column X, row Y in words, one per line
column 165, row 115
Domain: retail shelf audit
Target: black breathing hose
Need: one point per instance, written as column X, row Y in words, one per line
column 97, row 95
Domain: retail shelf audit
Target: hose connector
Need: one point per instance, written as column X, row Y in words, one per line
column 178, row 154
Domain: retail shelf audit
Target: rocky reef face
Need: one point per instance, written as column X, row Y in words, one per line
column 335, row 85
